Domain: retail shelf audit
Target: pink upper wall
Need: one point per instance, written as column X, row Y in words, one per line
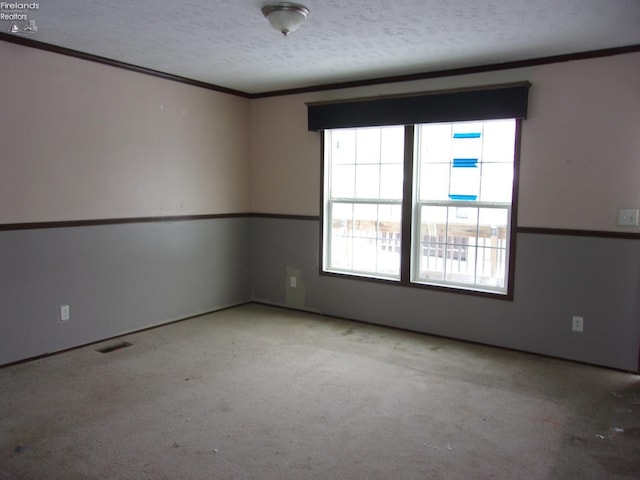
column 81, row 140
column 580, row 157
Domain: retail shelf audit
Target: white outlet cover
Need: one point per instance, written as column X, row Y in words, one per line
column 577, row 324
column 64, row 313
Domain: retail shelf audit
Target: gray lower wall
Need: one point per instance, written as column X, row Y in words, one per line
column 116, row 278
column 125, row 277
column 556, row 277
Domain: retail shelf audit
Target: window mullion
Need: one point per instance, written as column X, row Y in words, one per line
column 477, row 242
column 407, row 205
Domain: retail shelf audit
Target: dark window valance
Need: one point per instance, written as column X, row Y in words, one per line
column 487, row 103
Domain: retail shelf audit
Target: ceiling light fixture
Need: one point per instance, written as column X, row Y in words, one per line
column 285, row 17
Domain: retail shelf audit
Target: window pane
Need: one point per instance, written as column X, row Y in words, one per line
column 365, row 218
column 499, row 141
column 471, row 150
column 367, row 181
column 435, row 142
column 343, row 146
column 341, row 234
column 495, row 218
column 431, row 247
column 493, row 238
column 433, row 221
column 465, row 180
column 497, row 182
column 368, row 145
column 363, row 250
column 366, row 238
column 389, row 238
column 448, row 237
column 466, row 155
column 462, row 222
column 463, row 245
column 462, row 230
column 391, row 178
column 343, row 178
column 466, row 141
column 434, row 181
column 392, row 145
column 376, row 236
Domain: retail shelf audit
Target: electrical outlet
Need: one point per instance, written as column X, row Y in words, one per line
column 577, row 324
column 293, row 282
column 64, row 313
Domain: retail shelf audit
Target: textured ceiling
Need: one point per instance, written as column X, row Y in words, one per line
column 230, row 44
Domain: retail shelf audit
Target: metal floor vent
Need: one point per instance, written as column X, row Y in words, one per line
column 113, row 348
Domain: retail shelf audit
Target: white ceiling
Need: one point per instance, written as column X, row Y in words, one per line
column 229, row 43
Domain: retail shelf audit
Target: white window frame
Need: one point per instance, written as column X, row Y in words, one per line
column 416, row 246
column 476, row 249
column 328, row 264
column 411, row 245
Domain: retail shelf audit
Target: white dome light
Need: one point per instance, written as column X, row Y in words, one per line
column 285, row 17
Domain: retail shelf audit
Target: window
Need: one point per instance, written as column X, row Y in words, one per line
column 429, row 202
column 462, row 183
column 364, row 175
column 462, row 207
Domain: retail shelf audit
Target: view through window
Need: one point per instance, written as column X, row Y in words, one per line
column 462, row 177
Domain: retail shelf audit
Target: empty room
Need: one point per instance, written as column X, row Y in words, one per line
column 330, row 240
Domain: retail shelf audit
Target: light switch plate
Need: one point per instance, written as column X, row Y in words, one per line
column 628, row 217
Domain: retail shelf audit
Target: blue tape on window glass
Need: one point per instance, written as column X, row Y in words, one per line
column 463, row 197
column 467, row 135
column 465, row 162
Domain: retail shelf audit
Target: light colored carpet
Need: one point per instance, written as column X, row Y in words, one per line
column 258, row 392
